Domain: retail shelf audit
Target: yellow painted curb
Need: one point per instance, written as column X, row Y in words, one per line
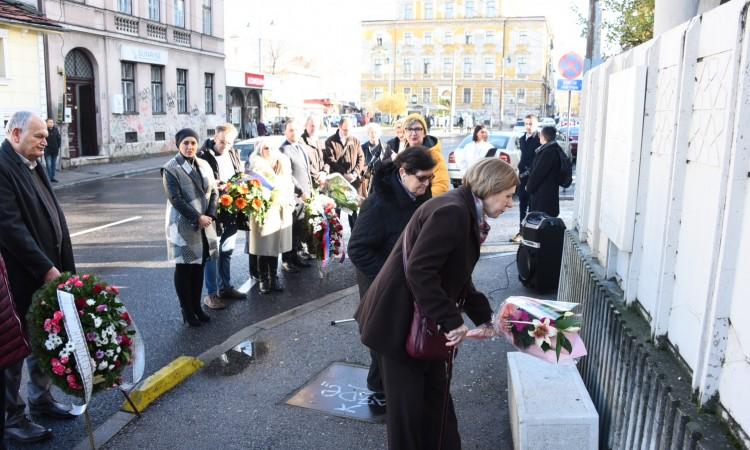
column 162, row 381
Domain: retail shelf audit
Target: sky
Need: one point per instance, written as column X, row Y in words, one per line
column 328, row 31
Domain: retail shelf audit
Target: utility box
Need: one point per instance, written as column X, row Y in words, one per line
column 549, row 406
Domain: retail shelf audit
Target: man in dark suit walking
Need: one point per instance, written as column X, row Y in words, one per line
column 543, row 183
column 528, row 143
column 54, row 141
column 291, row 261
column 36, row 246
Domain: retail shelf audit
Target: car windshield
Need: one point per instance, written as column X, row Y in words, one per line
column 245, row 150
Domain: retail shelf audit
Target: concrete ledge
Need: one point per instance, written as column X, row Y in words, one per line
column 107, row 430
column 162, row 381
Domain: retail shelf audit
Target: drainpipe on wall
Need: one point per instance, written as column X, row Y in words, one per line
column 45, row 43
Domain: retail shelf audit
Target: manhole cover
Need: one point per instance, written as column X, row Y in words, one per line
column 340, row 390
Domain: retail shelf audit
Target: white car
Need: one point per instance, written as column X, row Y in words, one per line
column 246, row 147
column 502, row 144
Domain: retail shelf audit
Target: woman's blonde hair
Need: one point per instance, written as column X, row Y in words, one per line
column 490, row 176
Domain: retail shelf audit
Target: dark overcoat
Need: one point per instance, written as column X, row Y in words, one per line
column 442, row 241
column 14, row 346
column 345, row 158
column 27, row 240
column 543, row 182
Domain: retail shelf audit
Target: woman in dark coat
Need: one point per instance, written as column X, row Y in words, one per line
column 442, row 243
column 14, row 346
column 398, row 189
column 190, row 188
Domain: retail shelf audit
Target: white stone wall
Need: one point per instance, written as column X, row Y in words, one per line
column 665, row 205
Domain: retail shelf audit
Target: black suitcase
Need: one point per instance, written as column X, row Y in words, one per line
column 540, row 253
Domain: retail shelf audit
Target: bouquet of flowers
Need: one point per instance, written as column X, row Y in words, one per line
column 247, row 195
column 325, row 232
column 538, row 327
column 342, row 192
column 106, row 324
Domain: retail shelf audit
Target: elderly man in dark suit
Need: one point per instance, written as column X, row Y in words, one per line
column 291, row 261
column 528, row 143
column 35, row 244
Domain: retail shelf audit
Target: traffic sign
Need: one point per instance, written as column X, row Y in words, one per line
column 569, row 85
column 571, row 65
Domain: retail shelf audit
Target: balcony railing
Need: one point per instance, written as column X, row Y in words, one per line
column 126, row 25
column 155, row 31
column 181, row 38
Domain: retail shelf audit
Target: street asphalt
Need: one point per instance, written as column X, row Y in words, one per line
column 246, row 410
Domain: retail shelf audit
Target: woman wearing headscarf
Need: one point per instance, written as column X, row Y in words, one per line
column 266, row 241
column 399, row 187
column 415, row 132
column 431, row 265
column 190, row 188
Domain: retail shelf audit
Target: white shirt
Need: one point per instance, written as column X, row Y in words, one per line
column 226, row 168
column 27, row 162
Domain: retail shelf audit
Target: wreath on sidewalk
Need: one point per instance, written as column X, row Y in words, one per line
column 106, row 326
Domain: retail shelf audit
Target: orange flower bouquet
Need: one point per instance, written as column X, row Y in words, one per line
column 246, row 195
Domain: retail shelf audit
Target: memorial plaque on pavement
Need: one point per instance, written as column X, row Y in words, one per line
column 340, row 390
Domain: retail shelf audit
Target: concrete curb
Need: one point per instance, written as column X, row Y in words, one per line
column 171, row 375
column 104, row 176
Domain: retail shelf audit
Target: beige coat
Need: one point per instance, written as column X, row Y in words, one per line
column 275, row 235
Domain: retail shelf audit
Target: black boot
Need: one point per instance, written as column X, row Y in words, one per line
column 183, row 295
column 273, row 267
column 264, row 286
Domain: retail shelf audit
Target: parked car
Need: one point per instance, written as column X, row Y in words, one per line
column 547, row 121
column 333, row 120
column 573, row 150
column 503, row 147
column 246, row 147
column 520, row 128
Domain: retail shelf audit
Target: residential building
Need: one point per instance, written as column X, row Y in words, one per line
column 465, row 51
column 130, row 73
column 22, row 80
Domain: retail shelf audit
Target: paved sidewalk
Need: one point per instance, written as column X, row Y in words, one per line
column 93, row 172
column 246, row 409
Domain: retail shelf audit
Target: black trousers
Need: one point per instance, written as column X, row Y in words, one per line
column 188, row 283
column 299, row 230
column 415, row 392
column 267, row 266
column 524, row 198
column 374, row 377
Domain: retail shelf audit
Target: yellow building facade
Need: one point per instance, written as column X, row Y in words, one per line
column 22, row 82
column 460, row 51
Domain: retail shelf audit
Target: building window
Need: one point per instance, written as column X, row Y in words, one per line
column 207, row 21
column 407, row 67
column 523, row 37
column 407, row 38
column 377, row 93
column 427, row 38
column 408, row 11
column 426, row 67
column 3, row 54
column 489, row 37
column 179, row 13
column 447, row 67
column 160, row 136
column 407, row 92
column 125, row 6
column 128, row 87
column 154, row 10
column 449, row 10
column 377, row 69
column 209, row 89
column 489, row 67
column 467, row 95
column 448, row 38
column 379, row 41
column 521, row 95
column 491, row 11
column 467, row 67
column 521, row 64
column 468, row 38
column 182, row 100
column 487, row 96
column 131, row 137
column 428, row 11
column 469, row 8
column 157, row 89
column 426, row 96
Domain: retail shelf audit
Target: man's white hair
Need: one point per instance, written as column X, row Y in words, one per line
column 20, row 119
column 376, row 127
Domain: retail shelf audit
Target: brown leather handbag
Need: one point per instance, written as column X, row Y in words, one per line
column 425, row 340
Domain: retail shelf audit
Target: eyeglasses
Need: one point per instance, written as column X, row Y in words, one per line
column 414, row 130
column 424, row 178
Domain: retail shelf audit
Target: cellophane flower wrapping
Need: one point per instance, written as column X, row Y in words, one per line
column 342, row 192
column 325, row 232
column 250, row 195
column 106, row 324
column 546, row 329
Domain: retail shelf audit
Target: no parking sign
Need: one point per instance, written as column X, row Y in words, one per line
column 571, row 65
